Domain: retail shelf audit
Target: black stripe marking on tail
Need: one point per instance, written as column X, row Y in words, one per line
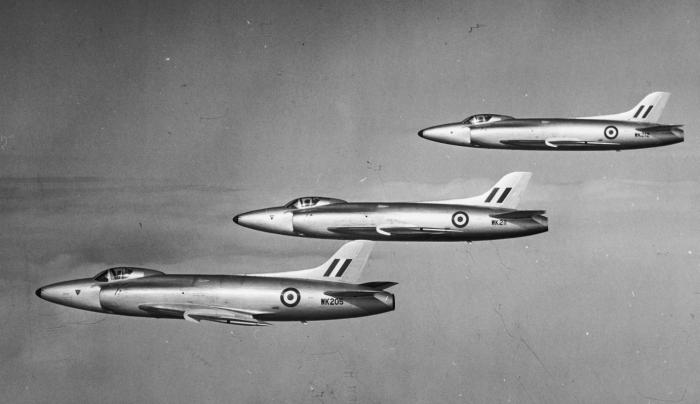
column 343, row 268
column 332, row 267
column 491, row 195
column 648, row 110
column 641, row 107
column 503, row 196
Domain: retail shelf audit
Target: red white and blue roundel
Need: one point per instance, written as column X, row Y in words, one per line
column 460, row 219
column 290, row 297
column 610, row 132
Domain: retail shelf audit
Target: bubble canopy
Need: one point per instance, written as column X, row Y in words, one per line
column 122, row 273
column 481, row 119
column 311, row 201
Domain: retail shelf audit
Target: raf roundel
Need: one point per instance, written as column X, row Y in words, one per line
column 460, row 219
column 290, row 297
column 610, row 132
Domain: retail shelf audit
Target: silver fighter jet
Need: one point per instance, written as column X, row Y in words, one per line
column 634, row 129
column 322, row 293
column 491, row 215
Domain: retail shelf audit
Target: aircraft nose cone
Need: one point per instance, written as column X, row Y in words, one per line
column 51, row 293
column 272, row 220
column 250, row 219
column 455, row 134
column 80, row 294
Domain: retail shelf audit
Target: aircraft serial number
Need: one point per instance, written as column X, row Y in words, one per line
column 498, row 222
column 333, row 301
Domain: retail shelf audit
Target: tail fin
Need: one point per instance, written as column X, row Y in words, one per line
column 346, row 265
column 649, row 109
column 505, row 194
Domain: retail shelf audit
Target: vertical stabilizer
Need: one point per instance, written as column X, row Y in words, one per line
column 648, row 109
column 346, row 265
column 505, row 194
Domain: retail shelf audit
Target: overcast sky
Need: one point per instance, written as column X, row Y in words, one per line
column 131, row 133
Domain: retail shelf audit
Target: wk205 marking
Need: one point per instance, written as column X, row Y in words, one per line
column 331, row 301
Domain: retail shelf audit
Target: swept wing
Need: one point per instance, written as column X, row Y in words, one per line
column 557, row 142
column 197, row 313
column 390, row 230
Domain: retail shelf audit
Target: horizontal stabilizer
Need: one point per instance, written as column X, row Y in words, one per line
column 378, row 285
column 518, row 214
column 346, row 294
column 661, row 128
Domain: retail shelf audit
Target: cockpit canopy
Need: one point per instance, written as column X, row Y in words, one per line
column 122, row 273
column 311, row 201
column 485, row 118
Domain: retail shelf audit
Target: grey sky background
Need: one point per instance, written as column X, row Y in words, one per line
column 131, row 132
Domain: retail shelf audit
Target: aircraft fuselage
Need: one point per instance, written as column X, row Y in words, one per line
column 275, row 299
column 394, row 221
column 556, row 134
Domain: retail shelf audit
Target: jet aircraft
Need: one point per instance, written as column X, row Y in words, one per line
column 322, row 293
column 492, row 215
column 634, row 129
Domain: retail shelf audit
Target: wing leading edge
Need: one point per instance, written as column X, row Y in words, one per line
column 557, row 142
column 393, row 230
column 197, row 313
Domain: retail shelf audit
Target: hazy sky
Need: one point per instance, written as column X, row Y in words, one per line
column 131, row 132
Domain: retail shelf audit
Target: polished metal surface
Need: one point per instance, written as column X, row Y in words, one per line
column 320, row 293
column 468, row 219
column 634, row 129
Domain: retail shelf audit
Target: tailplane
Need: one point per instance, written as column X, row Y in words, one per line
column 649, row 109
column 346, row 265
column 505, row 194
